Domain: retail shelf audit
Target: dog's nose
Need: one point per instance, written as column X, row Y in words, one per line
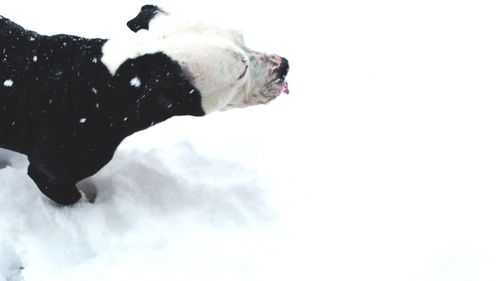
column 283, row 67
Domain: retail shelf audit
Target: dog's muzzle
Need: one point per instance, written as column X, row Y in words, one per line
column 280, row 72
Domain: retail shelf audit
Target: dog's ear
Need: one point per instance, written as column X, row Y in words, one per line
column 141, row 21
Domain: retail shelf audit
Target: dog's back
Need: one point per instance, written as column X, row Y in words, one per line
column 36, row 72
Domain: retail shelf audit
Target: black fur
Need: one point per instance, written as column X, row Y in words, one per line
column 141, row 21
column 61, row 106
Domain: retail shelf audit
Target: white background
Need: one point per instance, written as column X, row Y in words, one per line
column 382, row 164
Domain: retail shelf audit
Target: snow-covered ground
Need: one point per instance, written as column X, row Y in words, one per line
column 382, row 164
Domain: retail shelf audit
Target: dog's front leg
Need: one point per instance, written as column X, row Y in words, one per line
column 62, row 193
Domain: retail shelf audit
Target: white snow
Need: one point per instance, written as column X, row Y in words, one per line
column 8, row 83
column 135, row 82
column 381, row 164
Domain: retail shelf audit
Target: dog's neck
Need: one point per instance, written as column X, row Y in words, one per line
column 150, row 89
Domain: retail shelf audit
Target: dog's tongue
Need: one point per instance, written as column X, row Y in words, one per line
column 285, row 88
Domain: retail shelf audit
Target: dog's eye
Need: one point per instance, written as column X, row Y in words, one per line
column 244, row 72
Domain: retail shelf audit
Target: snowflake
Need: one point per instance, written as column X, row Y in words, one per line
column 135, row 82
column 8, row 83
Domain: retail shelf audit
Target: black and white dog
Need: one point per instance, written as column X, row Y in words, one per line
column 67, row 102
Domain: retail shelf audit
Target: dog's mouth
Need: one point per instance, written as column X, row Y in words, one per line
column 284, row 87
column 277, row 86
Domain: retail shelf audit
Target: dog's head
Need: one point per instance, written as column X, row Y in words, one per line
column 215, row 59
column 263, row 76
column 225, row 71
